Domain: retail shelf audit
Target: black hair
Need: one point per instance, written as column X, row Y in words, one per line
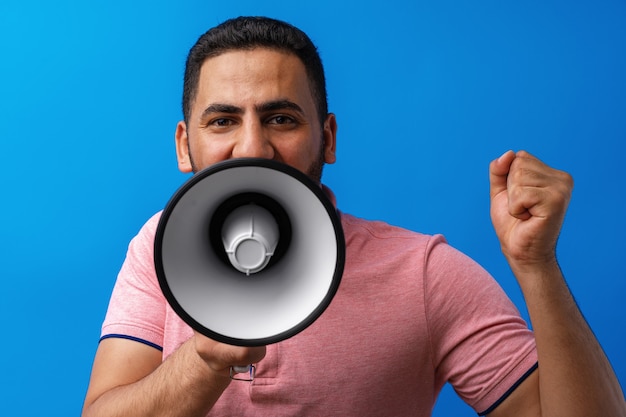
column 246, row 33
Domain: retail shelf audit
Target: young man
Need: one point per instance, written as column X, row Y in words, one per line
column 411, row 313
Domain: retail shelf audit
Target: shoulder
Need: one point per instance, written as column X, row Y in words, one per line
column 391, row 247
column 386, row 238
column 142, row 244
column 355, row 226
column 148, row 230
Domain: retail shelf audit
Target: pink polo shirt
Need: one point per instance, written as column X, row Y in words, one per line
column 411, row 314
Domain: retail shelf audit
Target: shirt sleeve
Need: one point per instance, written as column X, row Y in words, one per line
column 137, row 307
column 481, row 345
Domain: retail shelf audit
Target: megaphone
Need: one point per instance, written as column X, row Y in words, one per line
column 249, row 252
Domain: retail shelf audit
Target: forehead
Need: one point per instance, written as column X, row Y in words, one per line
column 257, row 73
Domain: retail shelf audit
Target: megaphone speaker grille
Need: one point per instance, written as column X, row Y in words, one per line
column 277, row 301
column 238, row 201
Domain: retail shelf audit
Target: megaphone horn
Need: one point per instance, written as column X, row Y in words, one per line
column 249, row 252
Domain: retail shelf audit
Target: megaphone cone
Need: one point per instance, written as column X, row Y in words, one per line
column 249, row 252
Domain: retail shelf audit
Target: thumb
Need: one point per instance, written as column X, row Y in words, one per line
column 498, row 173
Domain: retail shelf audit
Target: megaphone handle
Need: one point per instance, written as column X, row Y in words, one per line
column 247, row 369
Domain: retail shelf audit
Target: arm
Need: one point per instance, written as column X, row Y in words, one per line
column 574, row 378
column 128, row 378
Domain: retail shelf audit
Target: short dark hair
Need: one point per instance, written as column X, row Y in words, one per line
column 246, row 33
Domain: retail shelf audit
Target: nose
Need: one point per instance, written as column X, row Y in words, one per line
column 253, row 142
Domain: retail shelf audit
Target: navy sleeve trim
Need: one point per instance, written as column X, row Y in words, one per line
column 506, row 394
column 136, row 339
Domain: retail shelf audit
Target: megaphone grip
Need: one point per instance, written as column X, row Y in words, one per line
column 248, row 369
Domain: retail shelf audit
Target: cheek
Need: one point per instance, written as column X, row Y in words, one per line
column 300, row 155
column 206, row 153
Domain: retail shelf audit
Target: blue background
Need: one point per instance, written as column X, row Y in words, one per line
column 426, row 94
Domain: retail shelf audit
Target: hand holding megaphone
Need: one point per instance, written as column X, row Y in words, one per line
column 228, row 360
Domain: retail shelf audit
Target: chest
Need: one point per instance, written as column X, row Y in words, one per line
column 368, row 354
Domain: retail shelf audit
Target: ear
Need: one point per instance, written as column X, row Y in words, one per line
column 182, row 148
column 330, row 139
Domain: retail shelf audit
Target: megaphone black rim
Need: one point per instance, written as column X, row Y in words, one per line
column 314, row 187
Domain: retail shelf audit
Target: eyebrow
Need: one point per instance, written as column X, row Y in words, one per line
column 282, row 104
column 279, row 105
column 221, row 108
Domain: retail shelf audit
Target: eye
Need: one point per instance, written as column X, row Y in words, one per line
column 281, row 119
column 221, row 122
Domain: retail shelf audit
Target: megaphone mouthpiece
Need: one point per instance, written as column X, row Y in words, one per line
column 250, row 235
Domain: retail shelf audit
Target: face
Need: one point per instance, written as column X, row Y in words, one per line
column 255, row 104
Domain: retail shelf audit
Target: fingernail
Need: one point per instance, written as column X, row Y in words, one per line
column 503, row 155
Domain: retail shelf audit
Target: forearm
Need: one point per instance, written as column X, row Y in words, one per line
column 575, row 376
column 183, row 385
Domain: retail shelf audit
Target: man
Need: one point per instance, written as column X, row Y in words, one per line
column 411, row 312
